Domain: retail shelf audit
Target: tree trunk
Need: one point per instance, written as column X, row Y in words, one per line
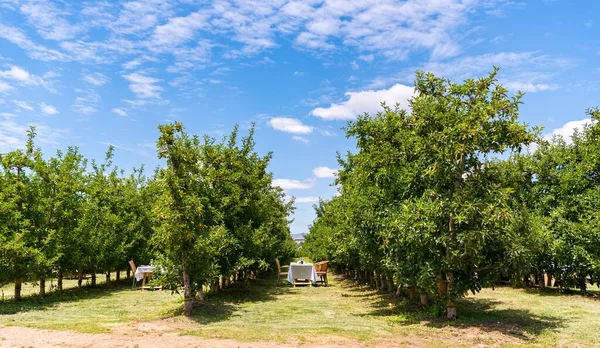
column 384, row 286
column 118, row 276
column 451, row 312
column 43, row 287
column 377, row 280
column 544, row 279
column 442, row 287
column 200, row 294
column 187, row 294
column 371, row 280
column 583, row 285
column 411, row 293
column 59, row 281
column 128, row 273
column 79, row 277
column 399, row 291
column 93, row 278
column 391, row 286
column 107, row 279
column 18, row 283
column 424, row 298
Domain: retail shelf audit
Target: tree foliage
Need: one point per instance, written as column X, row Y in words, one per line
column 441, row 197
column 211, row 212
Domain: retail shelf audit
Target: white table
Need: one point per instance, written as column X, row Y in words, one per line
column 142, row 273
column 302, row 271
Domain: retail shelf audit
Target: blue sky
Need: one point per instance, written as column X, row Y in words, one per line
column 93, row 73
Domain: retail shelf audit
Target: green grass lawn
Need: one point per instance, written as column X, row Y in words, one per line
column 7, row 291
column 343, row 312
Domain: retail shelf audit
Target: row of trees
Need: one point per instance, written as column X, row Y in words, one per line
column 58, row 218
column 442, row 199
column 218, row 213
column 211, row 212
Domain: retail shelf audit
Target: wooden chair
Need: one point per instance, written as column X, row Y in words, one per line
column 321, row 269
column 279, row 272
column 133, row 269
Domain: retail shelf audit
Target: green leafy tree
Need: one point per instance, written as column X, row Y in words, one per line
column 567, row 192
column 423, row 193
column 19, row 216
column 190, row 230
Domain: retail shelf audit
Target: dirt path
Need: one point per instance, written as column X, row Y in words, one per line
column 148, row 334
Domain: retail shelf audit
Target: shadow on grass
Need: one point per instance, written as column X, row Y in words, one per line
column 221, row 306
column 483, row 314
column 592, row 292
column 35, row 302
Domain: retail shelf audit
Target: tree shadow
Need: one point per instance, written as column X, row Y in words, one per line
column 224, row 304
column 593, row 293
column 34, row 302
column 483, row 314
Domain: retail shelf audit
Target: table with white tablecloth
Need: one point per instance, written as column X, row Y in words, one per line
column 304, row 271
column 142, row 273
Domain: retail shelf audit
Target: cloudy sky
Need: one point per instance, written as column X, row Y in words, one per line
column 94, row 73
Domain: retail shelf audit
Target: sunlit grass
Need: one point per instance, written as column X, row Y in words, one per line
column 89, row 309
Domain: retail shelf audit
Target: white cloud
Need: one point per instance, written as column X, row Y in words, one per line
column 390, row 28
column 324, row 172
column 5, row 87
column 588, row 24
column 119, row 112
column 23, row 105
column 367, row 57
column 527, row 68
column 530, row 86
column 35, row 51
column 143, row 86
column 96, row 78
column 568, row 129
column 23, row 77
column 177, row 31
column 13, row 135
column 86, row 102
column 469, row 66
column 300, row 139
column 132, row 64
column 48, row 109
column 289, row 125
column 365, row 101
column 290, row 184
column 298, row 73
column 49, row 20
column 327, row 133
column 306, row 199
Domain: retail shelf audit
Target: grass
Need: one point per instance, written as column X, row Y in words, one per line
column 346, row 311
column 342, row 313
column 89, row 309
column 7, row 291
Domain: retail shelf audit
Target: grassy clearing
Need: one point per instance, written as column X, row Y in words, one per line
column 89, row 309
column 502, row 316
column 7, row 291
column 341, row 313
